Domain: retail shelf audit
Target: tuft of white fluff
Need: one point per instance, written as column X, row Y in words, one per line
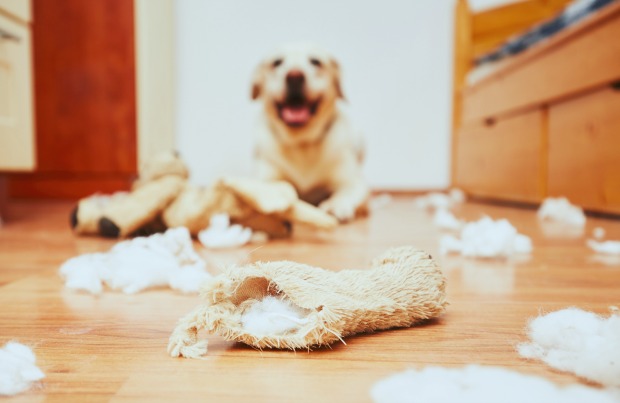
column 221, row 234
column 577, row 341
column 273, row 316
column 605, row 247
column 380, row 201
column 598, row 233
column 486, row 238
column 444, row 219
column 476, row 384
column 436, row 200
column 167, row 259
column 561, row 210
column 17, row 369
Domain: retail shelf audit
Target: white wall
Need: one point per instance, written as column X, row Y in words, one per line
column 396, row 61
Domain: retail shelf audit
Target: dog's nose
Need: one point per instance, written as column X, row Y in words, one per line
column 295, row 79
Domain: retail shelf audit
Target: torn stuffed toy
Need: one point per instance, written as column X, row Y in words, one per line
column 163, row 198
column 289, row 305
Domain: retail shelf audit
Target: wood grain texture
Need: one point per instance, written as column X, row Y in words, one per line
column 463, row 62
column 584, row 157
column 577, row 59
column 492, row 27
column 85, row 99
column 501, row 159
column 113, row 347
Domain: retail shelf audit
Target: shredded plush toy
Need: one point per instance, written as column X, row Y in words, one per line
column 163, row 198
column 290, row 305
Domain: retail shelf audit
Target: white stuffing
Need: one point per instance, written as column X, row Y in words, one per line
column 598, row 233
column 221, row 234
column 605, row 247
column 444, row 219
column 167, row 259
column 436, row 200
column 577, row 341
column 477, row 384
column 17, row 369
column 486, row 238
column 560, row 209
column 380, row 201
column 273, row 316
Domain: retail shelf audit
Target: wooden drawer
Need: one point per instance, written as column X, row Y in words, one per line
column 16, row 118
column 502, row 160
column 581, row 58
column 584, row 150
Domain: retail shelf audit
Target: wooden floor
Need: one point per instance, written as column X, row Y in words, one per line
column 113, row 347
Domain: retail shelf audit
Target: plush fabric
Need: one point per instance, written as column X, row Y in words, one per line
column 404, row 286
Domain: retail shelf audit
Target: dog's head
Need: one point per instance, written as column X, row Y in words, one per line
column 299, row 85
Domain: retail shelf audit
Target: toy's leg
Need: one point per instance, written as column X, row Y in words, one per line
column 142, row 206
column 184, row 339
column 85, row 216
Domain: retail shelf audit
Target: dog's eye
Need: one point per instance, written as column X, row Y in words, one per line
column 316, row 62
column 276, row 63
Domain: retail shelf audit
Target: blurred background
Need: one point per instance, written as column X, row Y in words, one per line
column 116, row 80
column 90, row 89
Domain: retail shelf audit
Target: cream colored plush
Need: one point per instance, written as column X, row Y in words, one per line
column 403, row 287
column 163, row 198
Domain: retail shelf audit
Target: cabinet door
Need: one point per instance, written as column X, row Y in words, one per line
column 16, row 121
column 584, row 150
column 502, row 159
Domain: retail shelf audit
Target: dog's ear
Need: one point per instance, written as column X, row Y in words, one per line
column 337, row 85
column 257, row 81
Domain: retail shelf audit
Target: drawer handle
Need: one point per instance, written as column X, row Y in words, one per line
column 490, row 122
column 615, row 85
column 6, row 35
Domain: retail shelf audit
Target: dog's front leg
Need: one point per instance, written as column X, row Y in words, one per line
column 350, row 193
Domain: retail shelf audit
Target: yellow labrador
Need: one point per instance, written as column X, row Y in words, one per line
column 303, row 137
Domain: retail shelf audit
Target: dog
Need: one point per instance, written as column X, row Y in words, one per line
column 302, row 135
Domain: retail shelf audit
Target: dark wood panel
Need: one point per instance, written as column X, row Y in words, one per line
column 64, row 186
column 85, row 97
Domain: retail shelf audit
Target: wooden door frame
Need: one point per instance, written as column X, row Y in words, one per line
column 155, row 35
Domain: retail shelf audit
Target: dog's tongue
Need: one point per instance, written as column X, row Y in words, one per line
column 295, row 115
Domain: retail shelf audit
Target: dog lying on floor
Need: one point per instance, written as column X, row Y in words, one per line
column 303, row 137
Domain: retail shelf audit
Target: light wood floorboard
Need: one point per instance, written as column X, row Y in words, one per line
column 113, row 347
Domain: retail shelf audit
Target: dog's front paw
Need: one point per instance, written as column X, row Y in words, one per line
column 340, row 208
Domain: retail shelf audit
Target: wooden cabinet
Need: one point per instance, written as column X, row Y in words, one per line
column 502, row 158
column 556, row 109
column 17, row 150
column 85, row 103
column 584, row 150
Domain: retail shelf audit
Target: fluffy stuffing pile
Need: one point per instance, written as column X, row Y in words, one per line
column 436, row 200
column 221, row 234
column 161, row 260
column 577, row 341
column 561, row 210
column 478, row 384
column 273, row 316
column 486, row 238
column 17, row 369
column 444, row 219
column 605, row 247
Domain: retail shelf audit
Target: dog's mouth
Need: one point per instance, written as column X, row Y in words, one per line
column 296, row 111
